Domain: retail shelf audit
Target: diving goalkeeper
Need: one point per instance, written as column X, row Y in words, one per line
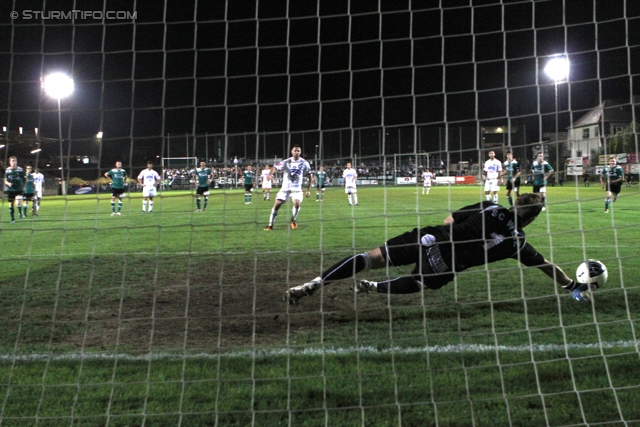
column 477, row 234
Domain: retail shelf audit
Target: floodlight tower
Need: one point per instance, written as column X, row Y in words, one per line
column 58, row 86
column 558, row 69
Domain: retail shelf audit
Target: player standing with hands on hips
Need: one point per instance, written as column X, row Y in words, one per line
column 350, row 177
column 541, row 170
column 149, row 179
column 202, row 178
column 117, row 176
column 512, row 170
column 491, row 173
column 266, row 183
column 611, row 181
column 248, row 176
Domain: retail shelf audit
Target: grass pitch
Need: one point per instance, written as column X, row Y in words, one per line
column 176, row 317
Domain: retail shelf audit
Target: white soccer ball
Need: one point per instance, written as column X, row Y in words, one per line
column 593, row 273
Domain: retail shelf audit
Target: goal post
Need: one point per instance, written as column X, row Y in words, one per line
column 189, row 163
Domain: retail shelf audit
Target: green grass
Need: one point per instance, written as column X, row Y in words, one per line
column 176, row 318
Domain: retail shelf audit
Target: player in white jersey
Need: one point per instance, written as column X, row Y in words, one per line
column 265, row 179
column 294, row 169
column 491, row 173
column 350, row 177
column 427, row 176
column 38, row 182
column 149, row 179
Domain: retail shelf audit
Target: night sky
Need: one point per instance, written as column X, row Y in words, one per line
column 255, row 66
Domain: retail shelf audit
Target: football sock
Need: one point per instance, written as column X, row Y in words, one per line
column 272, row 217
column 150, row 205
column 347, row 267
column 294, row 213
column 317, row 196
column 144, row 205
column 355, row 199
column 607, row 202
column 510, row 199
column 113, row 206
column 428, row 189
column 12, row 213
column 399, row 285
column 495, row 199
column 24, row 209
column 350, row 199
column 206, row 201
column 488, row 197
column 198, row 204
column 119, row 205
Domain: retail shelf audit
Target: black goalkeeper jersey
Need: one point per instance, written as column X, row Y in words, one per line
column 483, row 233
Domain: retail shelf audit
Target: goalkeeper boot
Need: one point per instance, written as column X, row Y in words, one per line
column 365, row 286
column 294, row 225
column 268, row 228
column 294, row 294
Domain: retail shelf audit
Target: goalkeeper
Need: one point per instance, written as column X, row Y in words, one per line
column 474, row 235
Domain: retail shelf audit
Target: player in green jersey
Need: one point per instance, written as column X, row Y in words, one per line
column 202, row 177
column 512, row 171
column 321, row 180
column 611, row 181
column 14, row 178
column 29, row 193
column 118, row 178
column 541, row 171
column 248, row 177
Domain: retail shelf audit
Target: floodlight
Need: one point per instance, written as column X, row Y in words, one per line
column 558, row 68
column 58, row 85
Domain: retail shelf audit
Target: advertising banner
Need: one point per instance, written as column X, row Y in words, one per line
column 407, row 180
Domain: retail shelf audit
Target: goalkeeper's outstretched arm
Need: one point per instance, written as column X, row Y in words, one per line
column 555, row 273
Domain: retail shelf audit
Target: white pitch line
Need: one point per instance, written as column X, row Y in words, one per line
column 335, row 351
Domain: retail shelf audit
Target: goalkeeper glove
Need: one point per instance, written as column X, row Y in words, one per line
column 579, row 291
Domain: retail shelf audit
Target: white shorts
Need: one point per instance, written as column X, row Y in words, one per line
column 266, row 184
column 427, row 184
column 295, row 195
column 149, row 192
column 39, row 194
column 350, row 190
column 491, row 185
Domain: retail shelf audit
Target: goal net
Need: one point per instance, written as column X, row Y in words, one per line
column 168, row 306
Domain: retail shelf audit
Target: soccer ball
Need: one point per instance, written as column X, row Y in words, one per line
column 593, row 273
